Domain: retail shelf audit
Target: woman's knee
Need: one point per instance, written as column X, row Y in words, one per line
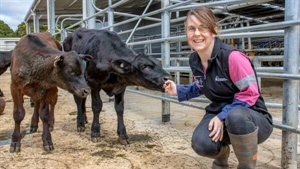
column 238, row 121
column 204, row 146
column 234, row 116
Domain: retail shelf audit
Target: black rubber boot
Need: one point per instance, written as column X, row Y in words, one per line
column 245, row 149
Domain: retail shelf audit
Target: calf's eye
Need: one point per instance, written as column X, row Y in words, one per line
column 143, row 67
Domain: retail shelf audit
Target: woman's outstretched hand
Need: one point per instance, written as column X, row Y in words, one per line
column 170, row 87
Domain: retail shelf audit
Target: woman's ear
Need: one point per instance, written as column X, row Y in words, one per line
column 216, row 30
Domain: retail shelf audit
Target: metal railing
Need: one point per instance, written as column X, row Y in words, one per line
column 289, row 29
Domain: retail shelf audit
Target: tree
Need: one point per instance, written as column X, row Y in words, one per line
column 21, row 31
column 5, row 30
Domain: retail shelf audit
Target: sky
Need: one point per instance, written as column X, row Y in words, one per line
column 13, row 12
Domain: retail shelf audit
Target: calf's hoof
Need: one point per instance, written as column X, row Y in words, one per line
column 95, row 139
column 124, row 141
column 48, row 145
column 80, row 128
column 49, row 148
column 15, row 147
column 33, row 129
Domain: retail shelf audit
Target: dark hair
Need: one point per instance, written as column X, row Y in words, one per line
column 206, row 16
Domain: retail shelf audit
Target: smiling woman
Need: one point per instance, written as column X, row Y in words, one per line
column 226, row 76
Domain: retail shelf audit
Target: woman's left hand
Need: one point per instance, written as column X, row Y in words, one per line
column 216, row 126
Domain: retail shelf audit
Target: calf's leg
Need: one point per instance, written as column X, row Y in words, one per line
column 96, row 107
column 121, row 130
column 53, row 102
column 35, row 117
column 81, row 117
column 18, row 115
column 46, row 136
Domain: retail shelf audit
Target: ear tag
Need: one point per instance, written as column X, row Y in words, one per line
column 84, row 62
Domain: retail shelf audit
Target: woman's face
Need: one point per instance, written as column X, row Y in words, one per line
column 199, row 37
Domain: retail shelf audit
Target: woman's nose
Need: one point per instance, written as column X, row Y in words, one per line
column 197, row 32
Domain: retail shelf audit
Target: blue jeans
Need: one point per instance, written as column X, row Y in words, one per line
column 239, row 121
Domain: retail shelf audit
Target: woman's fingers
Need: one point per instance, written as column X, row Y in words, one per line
column 221, row 135
column 170, row 88
column 217, row 134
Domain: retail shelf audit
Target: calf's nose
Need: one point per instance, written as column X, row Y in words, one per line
column 165, row 78
column 86, row 92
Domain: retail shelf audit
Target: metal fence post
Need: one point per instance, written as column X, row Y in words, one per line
column 290, row 87
column 51, row 16
column 165, row 53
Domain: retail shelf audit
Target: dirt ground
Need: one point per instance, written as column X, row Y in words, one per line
column 154, row 144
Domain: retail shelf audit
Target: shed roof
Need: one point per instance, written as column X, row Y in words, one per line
column 270, row 11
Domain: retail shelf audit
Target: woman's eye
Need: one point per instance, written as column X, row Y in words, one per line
column 191, row 29
column 203, row 28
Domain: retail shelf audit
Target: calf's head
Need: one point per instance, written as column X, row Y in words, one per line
column 69, row 69
column 142, row 70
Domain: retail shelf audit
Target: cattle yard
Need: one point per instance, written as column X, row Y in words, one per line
column 153, row 144
column 160, row 135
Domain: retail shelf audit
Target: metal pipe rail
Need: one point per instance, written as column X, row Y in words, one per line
column 261, row 72
column 277, row 25
column 260, row 58
column 150, row 13
column 231, row 35
column 125, row 14
column 238, row 4
column 277, row 124
column 225, row 33
column 98, row 13
column 172, row 7
column 263, row 30
column 205, row 100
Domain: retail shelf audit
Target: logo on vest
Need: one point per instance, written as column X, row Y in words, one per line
column 219, row 79
column 198, row 80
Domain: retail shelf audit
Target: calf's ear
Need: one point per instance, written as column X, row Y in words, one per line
column 58, row 60
column 121, row 66
column 86, row 57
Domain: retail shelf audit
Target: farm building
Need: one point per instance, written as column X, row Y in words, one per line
column 7, row 44
column 266, row 30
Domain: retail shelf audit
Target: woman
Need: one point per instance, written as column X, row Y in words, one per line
column 237, row 114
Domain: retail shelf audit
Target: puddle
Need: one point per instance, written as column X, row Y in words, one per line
column 139, row 138
column 105, row 153
column 5, row 136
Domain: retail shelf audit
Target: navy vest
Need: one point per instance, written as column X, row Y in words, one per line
column 216, row 84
